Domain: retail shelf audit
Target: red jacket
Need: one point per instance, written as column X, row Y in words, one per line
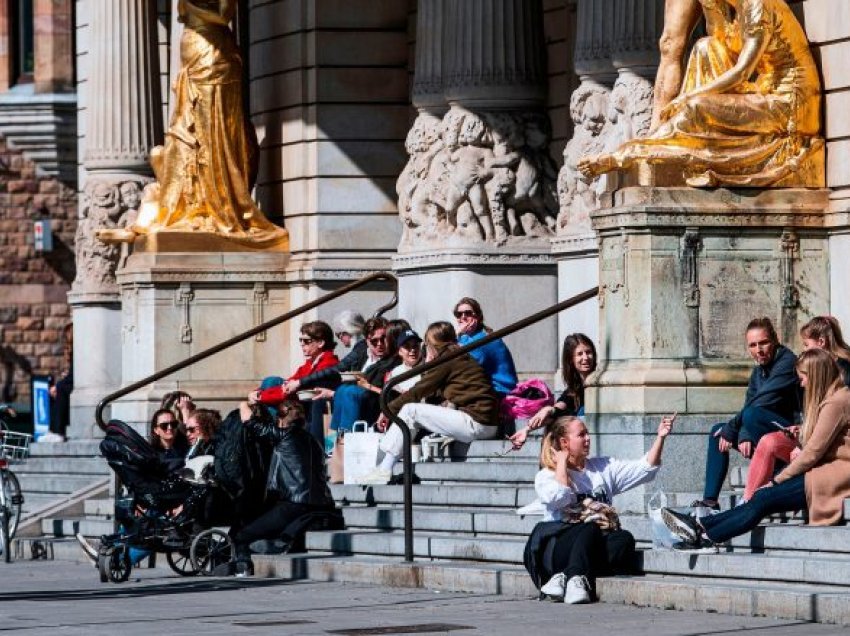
column 277, row 394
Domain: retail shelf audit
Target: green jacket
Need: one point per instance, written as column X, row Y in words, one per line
column 463, row 383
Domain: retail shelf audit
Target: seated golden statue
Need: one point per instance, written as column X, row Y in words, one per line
column 208, row 164
column 748, row 113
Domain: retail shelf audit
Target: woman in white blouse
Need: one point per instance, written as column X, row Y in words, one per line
column 564, row 555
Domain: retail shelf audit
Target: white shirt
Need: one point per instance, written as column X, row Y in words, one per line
column 601, row 479
column 404, row 386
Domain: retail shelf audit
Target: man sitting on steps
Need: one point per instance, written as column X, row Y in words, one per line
column 772, row 398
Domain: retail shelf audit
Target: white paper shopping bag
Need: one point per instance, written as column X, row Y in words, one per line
column 361, row 452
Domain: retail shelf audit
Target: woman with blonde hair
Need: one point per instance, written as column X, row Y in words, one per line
column 821, row 332
column 579, row 537
column 818, row 479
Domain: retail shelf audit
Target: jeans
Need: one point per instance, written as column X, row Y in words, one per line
column 785, row 497
column 269, row 525
column 435, row 419
column 351, row 403
column 755, row 423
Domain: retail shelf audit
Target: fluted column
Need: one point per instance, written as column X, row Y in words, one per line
column 594, row 38
column 427, row 90
column 124, row 121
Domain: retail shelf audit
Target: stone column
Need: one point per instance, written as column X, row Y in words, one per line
column 478, row 192
column 124, row 123
column 575, row 247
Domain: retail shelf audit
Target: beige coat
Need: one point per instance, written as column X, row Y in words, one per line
column 825, row 461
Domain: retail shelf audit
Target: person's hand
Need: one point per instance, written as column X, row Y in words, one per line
column 253, row 397
column 795, row 453
column 363, row 383
column 561, row 456
column 245, row 412
column 383, row 423
column 539, row 418
column 793, row 431
column 291, row 386
column 722, row 443
column 52, row 392
column 185, row 406
column 666, row 425
column 746, row 449
column 518, row 438
column 323, row 394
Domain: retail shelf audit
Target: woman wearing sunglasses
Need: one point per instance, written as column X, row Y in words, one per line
column 494, row 356
column 166, row 436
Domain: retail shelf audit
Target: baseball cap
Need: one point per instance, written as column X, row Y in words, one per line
column 406, row 336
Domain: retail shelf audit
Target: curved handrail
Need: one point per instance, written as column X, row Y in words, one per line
column 448, row 357
column 206, row 353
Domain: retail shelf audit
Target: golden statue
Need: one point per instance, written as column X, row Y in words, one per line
column 208, row 164
column 748, row 113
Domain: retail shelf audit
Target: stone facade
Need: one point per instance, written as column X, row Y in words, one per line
column 33, row 286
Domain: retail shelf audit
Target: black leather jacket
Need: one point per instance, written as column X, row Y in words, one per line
column 297, row 468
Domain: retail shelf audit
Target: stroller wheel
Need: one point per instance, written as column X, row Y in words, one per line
column 114, row 564
column 210, row 549
column 181, row 562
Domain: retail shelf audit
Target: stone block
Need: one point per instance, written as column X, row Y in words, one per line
column 837, row 160
column 826, row 20
column 835, row 73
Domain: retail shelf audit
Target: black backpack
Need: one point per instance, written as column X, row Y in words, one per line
column 240, row 463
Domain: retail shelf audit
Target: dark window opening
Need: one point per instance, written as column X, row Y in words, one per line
column 23, row 34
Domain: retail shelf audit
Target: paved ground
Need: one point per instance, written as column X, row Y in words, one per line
column 65, row 598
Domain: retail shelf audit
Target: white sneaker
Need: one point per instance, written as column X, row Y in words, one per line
column 51, row 438
column 555, row 586
column 578, row 590
column 378, row 477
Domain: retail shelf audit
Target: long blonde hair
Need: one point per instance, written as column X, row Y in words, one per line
column 824, row 379
column 827, row 327
column 551, row 439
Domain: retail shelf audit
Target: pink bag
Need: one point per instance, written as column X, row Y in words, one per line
column 526, row 399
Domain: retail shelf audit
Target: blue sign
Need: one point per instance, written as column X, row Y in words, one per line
column 40, row 406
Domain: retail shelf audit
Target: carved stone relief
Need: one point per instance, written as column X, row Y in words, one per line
column 477, row 178
column 105, row 204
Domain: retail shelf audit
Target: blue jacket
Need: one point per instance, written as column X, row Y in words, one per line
column 774, row 387
column 496, row 360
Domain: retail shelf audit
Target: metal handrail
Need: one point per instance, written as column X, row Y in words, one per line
column 206, row 353
column 443, row 359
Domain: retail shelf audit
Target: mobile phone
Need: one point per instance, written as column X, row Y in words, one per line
column 784, row 429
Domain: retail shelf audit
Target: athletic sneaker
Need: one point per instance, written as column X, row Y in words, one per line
column 577, row 591
column 683, row 526
column 703, row 546
column 555, row 586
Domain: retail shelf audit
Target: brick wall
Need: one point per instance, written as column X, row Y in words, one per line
column 33, row 306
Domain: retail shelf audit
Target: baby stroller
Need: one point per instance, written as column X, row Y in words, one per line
column 146, row 517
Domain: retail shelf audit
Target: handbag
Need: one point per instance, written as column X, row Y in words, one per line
column 362, row 453
column 662, row 537
column 526, row 399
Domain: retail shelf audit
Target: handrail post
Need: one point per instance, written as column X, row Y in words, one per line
column 447, row 357
column 206, row 353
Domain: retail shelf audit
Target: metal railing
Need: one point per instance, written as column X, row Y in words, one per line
column 206, row 353
column 448, row 357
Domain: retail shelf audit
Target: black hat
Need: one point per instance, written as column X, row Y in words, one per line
column 406, row 336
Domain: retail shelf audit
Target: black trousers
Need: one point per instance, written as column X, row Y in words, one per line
column 584, row 550
column 269, row 525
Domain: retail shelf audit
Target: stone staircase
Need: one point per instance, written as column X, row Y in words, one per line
column 468, row 538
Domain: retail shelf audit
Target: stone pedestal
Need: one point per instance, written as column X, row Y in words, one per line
column 509, row 286
column 175, row 305
column 682, row 272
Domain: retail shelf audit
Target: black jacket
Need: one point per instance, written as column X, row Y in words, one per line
column 297, row 468
column 354, row 361
column 774, row 387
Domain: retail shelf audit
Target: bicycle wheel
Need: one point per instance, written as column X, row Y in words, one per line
column 210, row 549
column 14, row 501
column 115, row 565
column 181, row 562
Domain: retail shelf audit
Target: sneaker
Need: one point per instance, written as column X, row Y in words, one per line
column 703, row 546
column 377, row 476
column 555, row 586
column 577, row 591
column 702, row 503
column 269, row 546
column 51, row 438
column 683, row 526
column 228, row 568
column 244, row 569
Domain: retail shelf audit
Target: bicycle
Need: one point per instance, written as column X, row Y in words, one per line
column 14, row 449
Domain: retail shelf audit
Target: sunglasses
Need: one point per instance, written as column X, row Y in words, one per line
column 191, row 429
column 164, row 426
column 466, row 313
column 377, row 341
column 306, row 341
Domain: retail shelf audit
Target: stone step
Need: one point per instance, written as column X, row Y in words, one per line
column 71, row 448
column 35, row 500
column 68, row 527
column 505, row 496
column 829, row 604
column 58, row 484
column 103, row 508
column 66, row 466
column 475, row 472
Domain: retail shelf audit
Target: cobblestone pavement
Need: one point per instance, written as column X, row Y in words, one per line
column 55, row 597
